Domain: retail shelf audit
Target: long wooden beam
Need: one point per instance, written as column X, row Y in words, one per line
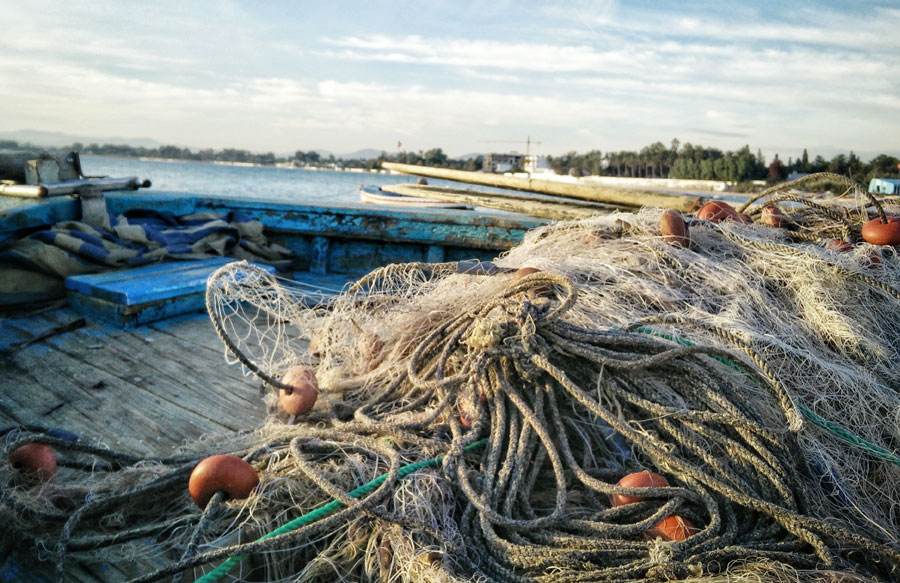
column 604, row 194
column 545, row 209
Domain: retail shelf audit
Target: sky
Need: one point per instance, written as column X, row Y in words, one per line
column 464, row 76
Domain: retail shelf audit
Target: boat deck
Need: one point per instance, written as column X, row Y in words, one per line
column 144, row 391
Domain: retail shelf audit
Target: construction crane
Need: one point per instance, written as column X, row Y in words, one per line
column 528, row 143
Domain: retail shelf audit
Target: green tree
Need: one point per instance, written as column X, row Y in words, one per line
column 435, row 157
column 839, row 165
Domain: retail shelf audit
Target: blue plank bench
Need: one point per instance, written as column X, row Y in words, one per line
column 133, row 297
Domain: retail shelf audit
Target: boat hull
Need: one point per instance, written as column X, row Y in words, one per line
column 374, row 195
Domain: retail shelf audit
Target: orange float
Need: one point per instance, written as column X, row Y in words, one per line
column 305, row 390
column 673, row 229
column 717, row 211
column 878, row 233
column 673, row 528
column 36, row 461
column 541, row 290
column 645, row 479
column 873, row 259
column 221, row 473
column 523, row 271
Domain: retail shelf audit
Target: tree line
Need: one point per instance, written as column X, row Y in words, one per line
column 686, row 161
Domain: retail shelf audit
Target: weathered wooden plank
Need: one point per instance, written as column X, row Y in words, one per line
column 199, row 384
column 145, row 294
column 546, row 209
column 620, row 196
column 131, row 386
column 116, row 386
column 17, row 215
column 148, row 282
column 448, row 227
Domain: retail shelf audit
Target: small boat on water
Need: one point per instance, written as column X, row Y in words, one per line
column 375, row 195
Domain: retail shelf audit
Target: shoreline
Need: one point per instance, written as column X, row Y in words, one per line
column 662, row 184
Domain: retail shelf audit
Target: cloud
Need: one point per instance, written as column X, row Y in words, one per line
column 518, row 56
column 582, row 75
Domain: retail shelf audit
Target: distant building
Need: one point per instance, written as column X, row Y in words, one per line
column 507, row 162
column 884, row 186
column 534, row 164
column 502, row 162
column 796, row 175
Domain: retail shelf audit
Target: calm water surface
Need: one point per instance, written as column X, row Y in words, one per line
column 302, row 186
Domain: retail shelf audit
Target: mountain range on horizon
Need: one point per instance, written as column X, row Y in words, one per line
column 59, row 139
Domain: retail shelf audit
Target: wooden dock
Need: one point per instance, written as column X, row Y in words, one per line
column 144, row 391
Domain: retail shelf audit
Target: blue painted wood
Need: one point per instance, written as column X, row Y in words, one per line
column 319, row 257
column 434, row 254
column 348, row 239
column 439, row 226
column 123, row 316
column 145, row 294
column 148, row 283
column 20, row 215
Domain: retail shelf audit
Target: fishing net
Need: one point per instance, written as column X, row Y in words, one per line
column 473, row 421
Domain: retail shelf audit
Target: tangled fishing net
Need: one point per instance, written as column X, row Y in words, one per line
column 472, row 424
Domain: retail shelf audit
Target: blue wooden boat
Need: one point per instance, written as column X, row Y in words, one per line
column 131, row 359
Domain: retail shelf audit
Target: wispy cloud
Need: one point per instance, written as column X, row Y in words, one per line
column 471, row 54
column 584, row 74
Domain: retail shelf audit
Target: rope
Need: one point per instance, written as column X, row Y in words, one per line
column 833, row 428
column 325, row 510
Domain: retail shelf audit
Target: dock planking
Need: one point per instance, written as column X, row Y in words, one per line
column 144, row 390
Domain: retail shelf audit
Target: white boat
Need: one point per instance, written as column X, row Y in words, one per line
column 374, row 195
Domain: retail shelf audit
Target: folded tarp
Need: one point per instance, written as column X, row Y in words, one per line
column 33, row 268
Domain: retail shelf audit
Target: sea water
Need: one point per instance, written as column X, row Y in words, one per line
column 286, row 184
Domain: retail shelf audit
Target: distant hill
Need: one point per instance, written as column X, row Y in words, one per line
column 59, row 139
column 469, row 156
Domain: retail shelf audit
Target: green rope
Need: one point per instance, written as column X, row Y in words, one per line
column 326, row 509
column 833, row 428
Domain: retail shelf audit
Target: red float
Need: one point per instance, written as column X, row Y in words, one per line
column 645, row 479
column 35, row 461
column 306, row 390
column 673, row 229
column 838, row 245
column 673, row 528
column 221, row 473
column 717, row 211
column 541, row 290
column 878, row 233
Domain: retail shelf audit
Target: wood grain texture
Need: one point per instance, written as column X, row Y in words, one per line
column 144, row 391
